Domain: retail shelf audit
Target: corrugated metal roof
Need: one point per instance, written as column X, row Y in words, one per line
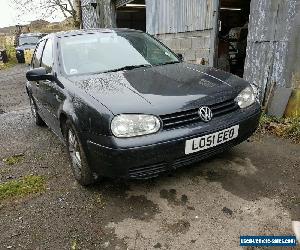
column 86, row 2
column 173, row 16
column 120, row 3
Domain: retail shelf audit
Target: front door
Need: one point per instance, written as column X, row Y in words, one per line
column 52, row 93
column 35, row 86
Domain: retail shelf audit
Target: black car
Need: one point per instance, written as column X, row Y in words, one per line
column 26, row 41
column 127, row 106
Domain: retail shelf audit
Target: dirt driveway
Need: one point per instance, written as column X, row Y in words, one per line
column 251, row 190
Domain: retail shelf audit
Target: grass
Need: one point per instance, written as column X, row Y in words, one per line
column 101, row 201
column 12, row 60
column 15, row 159
column 22, row 187
column 285, row 127
column 74, row 245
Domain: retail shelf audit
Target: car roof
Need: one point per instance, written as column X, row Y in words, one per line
column 30, row 34
column 91, row 31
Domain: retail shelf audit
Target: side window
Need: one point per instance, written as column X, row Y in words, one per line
column 36, row 60
column 47, row 58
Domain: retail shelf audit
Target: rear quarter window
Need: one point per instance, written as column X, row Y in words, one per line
column 47, row 58
column 36, row 60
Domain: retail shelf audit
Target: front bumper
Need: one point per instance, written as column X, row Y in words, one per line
column 148, row 156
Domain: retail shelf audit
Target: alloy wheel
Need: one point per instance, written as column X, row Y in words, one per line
column 74, row 151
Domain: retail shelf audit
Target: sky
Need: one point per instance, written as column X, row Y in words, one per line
column 9, row 15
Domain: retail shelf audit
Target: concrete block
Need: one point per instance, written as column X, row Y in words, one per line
column 197, row 43
column 206, row 42
column 202, row 53
column 279, row 102
column 186, row 43
column 176, row 44
column 177, row 51
column 166, row 42
column 161, row 36
column 189, row 55
column 166, row 36
column 179, row 35
column 293, row 107
column 172, row 44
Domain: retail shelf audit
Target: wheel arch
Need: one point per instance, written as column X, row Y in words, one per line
column 28, row 91
column 63, row 117
column 68, row 115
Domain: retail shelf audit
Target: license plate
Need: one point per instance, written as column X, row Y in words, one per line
column 211, row 140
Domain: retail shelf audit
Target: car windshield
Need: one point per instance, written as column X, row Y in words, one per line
column 105, row 52
column 29, row 40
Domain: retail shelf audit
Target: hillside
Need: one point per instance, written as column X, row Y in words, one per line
column 39, row 26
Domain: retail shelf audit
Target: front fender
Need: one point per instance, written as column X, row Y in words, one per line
column 67, row 112
column 87, row 118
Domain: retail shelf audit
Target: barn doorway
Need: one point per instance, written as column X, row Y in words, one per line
column 132, row 15
column 233, row 32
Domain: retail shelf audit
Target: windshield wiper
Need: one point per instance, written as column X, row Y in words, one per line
column 129, row 67
column 160, row 64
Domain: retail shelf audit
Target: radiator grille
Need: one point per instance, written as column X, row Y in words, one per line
column 184, row 118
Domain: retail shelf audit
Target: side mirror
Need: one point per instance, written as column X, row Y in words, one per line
column 38, row 74
column 180, row 56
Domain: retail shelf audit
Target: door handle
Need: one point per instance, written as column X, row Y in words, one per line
column 58, row 98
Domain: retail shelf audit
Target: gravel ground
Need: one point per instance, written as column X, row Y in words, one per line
column 251, row 190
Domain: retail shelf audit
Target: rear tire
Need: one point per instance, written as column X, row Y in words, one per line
column 81, row 170
column 34, row 110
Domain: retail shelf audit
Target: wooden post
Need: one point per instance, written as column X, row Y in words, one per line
column 106, row 11
column 77, row 8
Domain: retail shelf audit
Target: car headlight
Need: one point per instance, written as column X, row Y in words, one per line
column 134, row 125
column 246, row 98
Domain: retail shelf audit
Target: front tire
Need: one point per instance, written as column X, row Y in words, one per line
column 81, row 170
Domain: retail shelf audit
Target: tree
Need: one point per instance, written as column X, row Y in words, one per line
column 46, row 8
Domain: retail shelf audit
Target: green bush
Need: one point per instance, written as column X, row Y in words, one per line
column 12, row 60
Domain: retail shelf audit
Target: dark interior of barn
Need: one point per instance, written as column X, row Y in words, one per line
column 132, row 15
column 233, row 31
